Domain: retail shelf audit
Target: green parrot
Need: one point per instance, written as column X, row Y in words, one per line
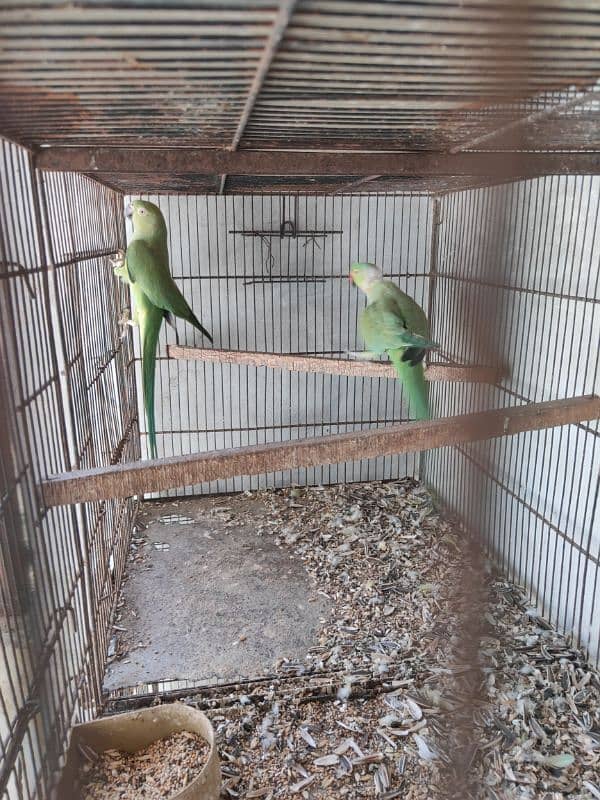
column 393, row 323
column 147, row 264
column 149, row 319
column 145, row 268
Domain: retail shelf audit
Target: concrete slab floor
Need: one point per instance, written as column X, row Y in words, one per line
column 207, row 597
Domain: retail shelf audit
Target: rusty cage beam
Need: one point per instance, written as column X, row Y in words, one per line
column 286, row 7
column 284, row 14
column 202, row 161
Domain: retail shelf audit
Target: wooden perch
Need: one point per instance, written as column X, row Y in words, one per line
column 334, row 366
column 124, row 480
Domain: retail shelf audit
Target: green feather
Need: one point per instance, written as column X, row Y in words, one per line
column 413, row 380
column 149, row 318
column 393, row 323
column 148, row 264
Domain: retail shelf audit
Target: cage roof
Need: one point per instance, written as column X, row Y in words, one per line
column 311, row 75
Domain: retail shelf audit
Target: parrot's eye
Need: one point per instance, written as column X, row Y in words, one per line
column 141, row 211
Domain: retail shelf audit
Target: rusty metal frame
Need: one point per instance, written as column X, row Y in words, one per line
column 280, row 23
column 153, row 161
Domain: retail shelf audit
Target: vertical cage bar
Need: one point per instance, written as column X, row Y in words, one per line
column 68, row 400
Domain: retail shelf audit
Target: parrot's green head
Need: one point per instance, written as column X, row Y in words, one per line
column 147, row 219
column 365, row 276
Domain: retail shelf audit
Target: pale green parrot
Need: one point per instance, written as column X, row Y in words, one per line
column 145, row 267
column 149, row 319
column 147, row 264
column 393, row 323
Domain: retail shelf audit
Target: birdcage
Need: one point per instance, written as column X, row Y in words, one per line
column 299, row 538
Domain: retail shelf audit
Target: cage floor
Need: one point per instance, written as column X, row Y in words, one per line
column 413, row 660
column 207, row 597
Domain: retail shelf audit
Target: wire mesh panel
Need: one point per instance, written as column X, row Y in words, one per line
column 66, row 401
column 516, row 279
column 255, row 289
column 345, row 74
column 193, row 65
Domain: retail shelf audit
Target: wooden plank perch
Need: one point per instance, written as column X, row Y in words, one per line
column 334, row 366
column 124, row 480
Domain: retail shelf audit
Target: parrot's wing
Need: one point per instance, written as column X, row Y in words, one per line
column 153, row 277
column 151, row 272
column 393, row 332
column 411, row 313
column 138, row 258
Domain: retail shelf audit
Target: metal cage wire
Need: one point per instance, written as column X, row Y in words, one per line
column 67, row 398
column 291, row 295
column 515, row 262
column 518, row 265
column 340, row 73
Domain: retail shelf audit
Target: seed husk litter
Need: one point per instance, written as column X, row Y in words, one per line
column 156, row 772
column 389, row 702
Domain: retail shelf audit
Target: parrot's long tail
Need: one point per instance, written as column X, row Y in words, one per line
column 413, row 380
column 150, row 331
column 193, row 319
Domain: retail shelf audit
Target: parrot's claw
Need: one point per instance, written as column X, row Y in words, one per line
column 125, row 321
column 362, row 355
column 117, row 260
column 125, row 318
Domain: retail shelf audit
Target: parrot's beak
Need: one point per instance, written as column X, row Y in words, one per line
column 129, row 211
column 350, row 278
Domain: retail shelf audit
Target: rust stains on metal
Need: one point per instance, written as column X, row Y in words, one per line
column 328, row 73
column 253, row 162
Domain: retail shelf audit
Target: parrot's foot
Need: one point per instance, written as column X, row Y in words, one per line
column 117, row 260
column 363, row 355
column 125, row 320
column 119, row 264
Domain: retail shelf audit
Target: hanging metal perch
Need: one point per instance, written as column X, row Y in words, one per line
column 287, row 229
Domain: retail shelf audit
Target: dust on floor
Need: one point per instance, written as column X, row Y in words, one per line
column 208, row 597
